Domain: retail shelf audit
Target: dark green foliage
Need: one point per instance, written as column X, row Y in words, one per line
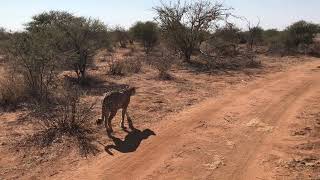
column 270, row 34
column 53, row 41
column 4, row 38
column 296, row 38
column 147, row 33
column 121, row 36
column 300, row 33
column 77, row 38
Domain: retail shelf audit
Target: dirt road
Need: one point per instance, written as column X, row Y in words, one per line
column 235, row 136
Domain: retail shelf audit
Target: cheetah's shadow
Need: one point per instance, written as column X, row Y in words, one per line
column 131, row 142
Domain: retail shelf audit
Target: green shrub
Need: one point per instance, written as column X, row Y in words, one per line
column 299, row 36
column 147, row 33
column 76, row 38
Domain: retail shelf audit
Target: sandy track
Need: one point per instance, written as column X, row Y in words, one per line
column 221, row 138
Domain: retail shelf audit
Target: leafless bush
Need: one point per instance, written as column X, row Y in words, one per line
column 244, row 59
column 224, row 41
column 162, row 62
column 277, row 48
column 315, row 49
column 12, row 91
column 125, row 67
column 72, row 119
column 221, row 48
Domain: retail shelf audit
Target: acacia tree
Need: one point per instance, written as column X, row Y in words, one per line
column 77, row 38
column 35, row 58
column 186, row 24
column 147, row 33
column 300, row 33
column 85, row 36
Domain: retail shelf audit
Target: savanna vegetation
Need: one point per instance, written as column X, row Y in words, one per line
column 46, row 64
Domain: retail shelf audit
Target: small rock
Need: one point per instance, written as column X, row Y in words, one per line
column 254, row 122
column 215, row 164
column 265, row 129
column 310, row 164
column 231, row 144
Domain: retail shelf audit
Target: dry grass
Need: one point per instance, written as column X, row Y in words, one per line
column 12, row 90
column 71, row 117
column 125, row 67
column 155, row 100
column 163, row 62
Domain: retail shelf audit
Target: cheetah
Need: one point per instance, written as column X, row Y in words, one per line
column 112, row 102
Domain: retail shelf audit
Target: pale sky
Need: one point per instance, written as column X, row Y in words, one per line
column 272, row 13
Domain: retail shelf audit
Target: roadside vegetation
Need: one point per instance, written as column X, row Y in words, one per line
column 47, row 64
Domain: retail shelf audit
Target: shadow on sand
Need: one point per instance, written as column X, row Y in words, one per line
column 131, row 142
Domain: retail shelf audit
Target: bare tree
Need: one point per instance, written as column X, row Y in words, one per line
column 187, row 24
column 255, row 33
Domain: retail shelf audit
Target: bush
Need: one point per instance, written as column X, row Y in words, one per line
column 296, row 38
column 72, row 118
column 147, row 33
column 315, row 49
column 4, row 38
column 76, row 38
column 225, row 41
column 121, row 36
column 270, row 36
column 244, row 59
column 35, row 58
column 162, row 62
column 299, row 36
column 255, row 34
column 229, row 34
column 125, row 67
column 12, row 91
column 186, row 24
